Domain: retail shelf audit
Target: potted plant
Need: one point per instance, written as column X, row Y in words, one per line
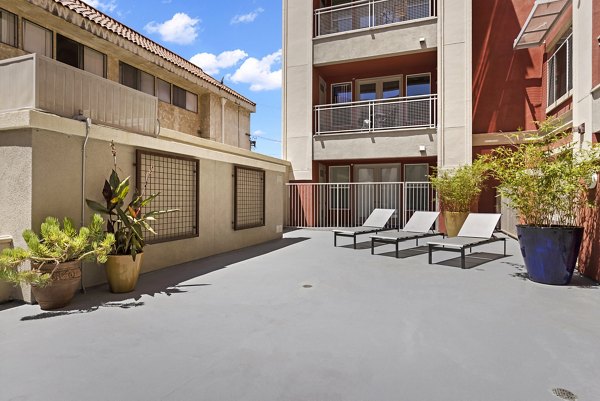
column 56, row 256
column 546, row 180
column 126, row 221
column 457, row 191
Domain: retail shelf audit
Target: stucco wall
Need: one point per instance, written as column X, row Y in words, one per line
column 118, row 49
column 384, row 41
column 47, row 164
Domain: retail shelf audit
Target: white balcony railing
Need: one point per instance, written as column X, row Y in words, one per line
column 38, row 82
column 370, row 13
column 377, row 115
column 349, row 204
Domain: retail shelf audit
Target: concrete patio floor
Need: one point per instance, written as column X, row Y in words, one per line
column 297, row 319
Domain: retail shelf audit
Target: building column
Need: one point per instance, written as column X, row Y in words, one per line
column 297, row 87
column 455, row 89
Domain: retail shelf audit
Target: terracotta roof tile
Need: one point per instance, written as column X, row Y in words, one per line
column 122, row 30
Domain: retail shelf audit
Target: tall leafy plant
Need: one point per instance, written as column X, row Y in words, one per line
column 457, row 189
column 126, row 220
column 546, row 178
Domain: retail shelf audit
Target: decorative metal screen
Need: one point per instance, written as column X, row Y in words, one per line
column 249, row 198
column 176, row 178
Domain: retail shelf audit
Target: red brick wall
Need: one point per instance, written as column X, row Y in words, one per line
column 507, row 83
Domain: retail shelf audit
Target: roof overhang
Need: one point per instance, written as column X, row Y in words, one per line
column 541, row 20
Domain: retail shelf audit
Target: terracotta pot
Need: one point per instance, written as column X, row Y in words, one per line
column 122, row 272
column 65, row 282
column 454, row 221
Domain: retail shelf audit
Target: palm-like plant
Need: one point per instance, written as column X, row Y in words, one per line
column 126, row 220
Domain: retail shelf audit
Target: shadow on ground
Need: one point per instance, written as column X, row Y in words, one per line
column 472, row 260
column 577, row 280
column 407, row 253
column 165, row 281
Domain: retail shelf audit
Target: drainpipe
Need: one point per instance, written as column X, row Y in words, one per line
column 88, row 125
column 223, row 101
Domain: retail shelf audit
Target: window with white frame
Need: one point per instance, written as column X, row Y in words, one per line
column 163, row 90
column 8, row 28
column 379, row 88
column 560, row 71
column 341, row 92
column 37, row 39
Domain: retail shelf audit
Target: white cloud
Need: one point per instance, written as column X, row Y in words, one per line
column 260, row 74
column 258, row 133
column 103, row 5
column 212, row 64
column 247, row 18
column 181, row 29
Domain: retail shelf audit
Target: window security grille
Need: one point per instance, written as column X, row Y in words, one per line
column 176, row 178
column 249, row 198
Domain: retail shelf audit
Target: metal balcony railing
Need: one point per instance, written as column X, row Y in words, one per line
column 349, row 204
column 38, row 82
column 370, row 13
column 377, row 115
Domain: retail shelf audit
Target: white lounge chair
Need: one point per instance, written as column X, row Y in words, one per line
column 420, row 225
column 374, row 223
column 477, row 230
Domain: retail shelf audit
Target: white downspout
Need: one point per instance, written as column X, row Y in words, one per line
column 223, row 102
column 88, row 126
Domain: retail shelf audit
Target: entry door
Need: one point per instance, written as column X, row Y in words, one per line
column 382, row 194
column 417, row 189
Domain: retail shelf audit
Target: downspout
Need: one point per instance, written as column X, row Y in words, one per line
column 223, row 101
column 88, row 125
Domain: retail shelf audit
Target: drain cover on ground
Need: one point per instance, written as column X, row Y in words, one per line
column 564, row 394
column 307, row 286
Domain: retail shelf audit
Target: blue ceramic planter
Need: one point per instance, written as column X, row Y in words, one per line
column 550, row 253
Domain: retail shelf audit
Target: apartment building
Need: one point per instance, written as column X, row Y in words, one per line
column 382, row 90
column 73, row 81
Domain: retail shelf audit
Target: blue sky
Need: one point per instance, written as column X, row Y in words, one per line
column 239, row 40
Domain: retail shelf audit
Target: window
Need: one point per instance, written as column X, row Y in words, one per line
column 341, row 93
column 79, row 56
column 37, row 39
column 560, row 71
column 417, row 85
column 339, row 194
column 185, row 99
column 380, row 88
column 8, row 28
column 176, row 178
column 163, row 89
column 136, row 79
column 249, row 198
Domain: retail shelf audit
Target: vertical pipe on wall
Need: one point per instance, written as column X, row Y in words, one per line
column 88, row 125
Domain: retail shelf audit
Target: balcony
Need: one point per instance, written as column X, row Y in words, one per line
column 377, row 115
column 368, row 14
column 38, row 82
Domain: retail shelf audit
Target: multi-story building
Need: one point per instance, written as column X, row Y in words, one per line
column 383, row 90
column 73, row 81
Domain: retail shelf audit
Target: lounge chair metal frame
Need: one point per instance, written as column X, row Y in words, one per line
column 461, row 248
column 420, row 225
column 398, row 240
column 479, row 228
column 375, row 216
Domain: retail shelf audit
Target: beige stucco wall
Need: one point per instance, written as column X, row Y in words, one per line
column 374, row 145
column 586, row 108
column 297, row 86
column 119, row 49
column 454, row 83
column 385, row 41
column 44, row 153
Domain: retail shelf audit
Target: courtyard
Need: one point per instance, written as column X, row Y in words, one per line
column 297, row 319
